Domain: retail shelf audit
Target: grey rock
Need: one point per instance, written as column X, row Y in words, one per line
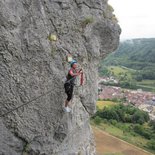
column 9, row 144
column 31, row 66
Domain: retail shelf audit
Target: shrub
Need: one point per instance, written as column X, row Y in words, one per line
column 86, row 21
column 122, row 113
column 109, row 114
column 97, row 120
column 114, row 18
column 105, row 121
column 142, row 131
column 113, row 122
column 110, row 8
column 138, row 77
column 151, row 144
column 152, row 124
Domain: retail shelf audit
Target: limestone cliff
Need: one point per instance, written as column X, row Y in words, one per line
column 31, row 66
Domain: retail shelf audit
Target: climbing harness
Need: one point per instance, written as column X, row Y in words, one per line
column 77, row 82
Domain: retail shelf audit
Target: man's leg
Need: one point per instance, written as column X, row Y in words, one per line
column 67, row 109
column 66, row 103
column 69, row 97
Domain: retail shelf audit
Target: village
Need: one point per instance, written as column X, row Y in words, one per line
column 139, row 98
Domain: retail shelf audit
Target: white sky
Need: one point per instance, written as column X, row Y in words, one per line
column 136, row 17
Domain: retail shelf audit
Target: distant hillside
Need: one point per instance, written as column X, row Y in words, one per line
column 137, row 54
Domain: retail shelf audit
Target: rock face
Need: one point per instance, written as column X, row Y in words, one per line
column 31, row 66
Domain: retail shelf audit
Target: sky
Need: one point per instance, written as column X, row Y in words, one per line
column 136, row 18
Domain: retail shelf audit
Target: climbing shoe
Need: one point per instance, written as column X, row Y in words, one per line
column 67, row 109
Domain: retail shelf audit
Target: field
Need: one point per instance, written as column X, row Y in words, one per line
column 102, row 104
column 124, row 73
column 147, row 82
column 146, row 88
column 109, row 145
column 118, row 71
column 148, row 85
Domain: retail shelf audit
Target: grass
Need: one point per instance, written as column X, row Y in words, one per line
column 119, row 71
column 147, row 82
column 146, row 88
column 102, row 104
column 147, row 85
column 111, row 129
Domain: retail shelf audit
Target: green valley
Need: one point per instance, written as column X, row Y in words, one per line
column 126, row 96
column 128, row 78
column 132, row 64
column 138, row 54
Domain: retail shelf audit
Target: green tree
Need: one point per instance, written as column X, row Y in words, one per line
column 138, row 77
column 140, row 117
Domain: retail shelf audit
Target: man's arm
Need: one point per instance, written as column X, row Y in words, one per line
column 74, row 74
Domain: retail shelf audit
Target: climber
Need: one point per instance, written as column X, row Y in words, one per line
column 70, row 82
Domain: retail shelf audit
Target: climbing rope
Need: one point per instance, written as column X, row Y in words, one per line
column 16, row 108
column 76, row 81
column 48, row 92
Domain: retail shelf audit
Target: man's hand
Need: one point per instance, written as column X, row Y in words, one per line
column 81, row 71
